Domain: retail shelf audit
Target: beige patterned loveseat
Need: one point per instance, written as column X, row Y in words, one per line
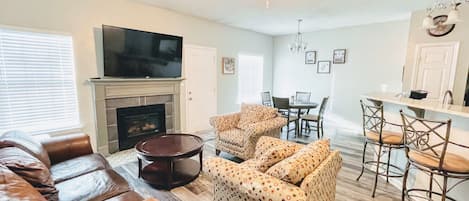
column 243, row 181
column 238, row 133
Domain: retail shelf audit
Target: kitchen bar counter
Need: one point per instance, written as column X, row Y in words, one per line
column 427, row 109
column 416, row 105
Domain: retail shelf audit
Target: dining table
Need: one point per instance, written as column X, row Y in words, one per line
column 302, row 106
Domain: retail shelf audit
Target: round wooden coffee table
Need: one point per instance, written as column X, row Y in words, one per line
column 165, row 161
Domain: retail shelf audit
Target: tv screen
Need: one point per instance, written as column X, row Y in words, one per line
column 134, row 54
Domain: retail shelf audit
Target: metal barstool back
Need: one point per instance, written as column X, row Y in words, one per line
column 426, row 145
column 373, row 119
column 373, row 130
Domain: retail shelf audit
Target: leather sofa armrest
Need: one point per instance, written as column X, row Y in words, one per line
column 66, row 147
column 251, row 183
column 225, row 122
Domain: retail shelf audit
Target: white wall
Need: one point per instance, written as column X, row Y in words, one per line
column 418, row 35
column 83, row 19
column 375, row 56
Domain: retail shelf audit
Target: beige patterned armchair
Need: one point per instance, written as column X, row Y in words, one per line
column 238, row 133
column 234, row 181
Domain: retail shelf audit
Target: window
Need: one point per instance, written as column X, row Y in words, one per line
column 250, row 78
column 37, row 82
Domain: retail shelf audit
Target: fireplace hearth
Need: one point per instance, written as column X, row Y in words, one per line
column 137, row 123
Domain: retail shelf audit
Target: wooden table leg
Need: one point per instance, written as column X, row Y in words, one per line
column 299, row 122
column 171, row 172
column 200, row 159
column 139, row 168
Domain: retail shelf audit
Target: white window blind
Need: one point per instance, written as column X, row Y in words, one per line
column 37, row 82
column 250, row 78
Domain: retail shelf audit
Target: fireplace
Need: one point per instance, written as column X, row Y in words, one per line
column 137, row 123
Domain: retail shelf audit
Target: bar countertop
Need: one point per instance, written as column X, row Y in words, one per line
column 428, row 105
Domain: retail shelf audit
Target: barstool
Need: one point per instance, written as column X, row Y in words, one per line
column 426, row 145
column 373, row 125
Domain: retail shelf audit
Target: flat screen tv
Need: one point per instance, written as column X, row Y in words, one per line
column 140, row 54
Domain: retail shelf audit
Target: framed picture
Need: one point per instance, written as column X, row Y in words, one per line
column 339, row 56
column 310, row 57
column 228, row 65
column 324, row 67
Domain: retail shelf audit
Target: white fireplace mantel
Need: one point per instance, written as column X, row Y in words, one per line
column 106, row 89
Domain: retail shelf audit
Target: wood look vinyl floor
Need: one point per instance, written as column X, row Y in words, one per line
column 348, row 189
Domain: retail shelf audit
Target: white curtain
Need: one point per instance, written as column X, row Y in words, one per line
column 250, row 78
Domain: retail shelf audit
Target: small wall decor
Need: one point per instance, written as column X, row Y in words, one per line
column 310, row 57
column 440, row 27
column 228, row 65
column 339, row 56
column 324, row 67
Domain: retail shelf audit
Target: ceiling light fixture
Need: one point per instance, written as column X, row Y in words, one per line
column 267, row 3
column 298, row 45
column 453, row 15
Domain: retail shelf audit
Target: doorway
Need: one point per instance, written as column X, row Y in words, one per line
column 200, row 86
column 435, row 68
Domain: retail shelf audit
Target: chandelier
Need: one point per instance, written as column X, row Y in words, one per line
column 298, row 45
column 453, row 15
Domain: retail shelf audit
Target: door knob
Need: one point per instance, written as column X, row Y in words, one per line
column 190, row 99
column 190, row 92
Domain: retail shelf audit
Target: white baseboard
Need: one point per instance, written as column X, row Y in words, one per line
column 104, row 150
column 340, row 123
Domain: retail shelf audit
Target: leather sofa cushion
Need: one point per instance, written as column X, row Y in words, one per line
column 252, row 113
column 127, row 196
column 78, row 166
column 296, row 167
column 94, row 186
column 27, row 143
column 30, row 169
column 13, row 187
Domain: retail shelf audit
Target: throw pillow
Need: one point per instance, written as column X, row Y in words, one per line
column 30, row 169
column 275, row 155
column 296, row 167
column 266, row 142
column 252, row 113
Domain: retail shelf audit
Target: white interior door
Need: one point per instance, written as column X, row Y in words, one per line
column 201, row 86
column 435, row 68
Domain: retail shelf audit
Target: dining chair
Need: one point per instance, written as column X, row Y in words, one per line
column 375, row 134
column 283, row 104
column 266, row 98
column 303, row 97
column 427, row 147
column 318, row 119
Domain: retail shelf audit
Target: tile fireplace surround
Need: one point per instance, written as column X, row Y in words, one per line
column 112, row 93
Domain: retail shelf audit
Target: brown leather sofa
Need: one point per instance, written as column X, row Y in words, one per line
column 58, row 168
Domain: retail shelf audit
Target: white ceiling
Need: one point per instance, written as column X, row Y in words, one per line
column 281, row 17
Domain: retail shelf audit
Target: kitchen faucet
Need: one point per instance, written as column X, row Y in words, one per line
column 451, row 100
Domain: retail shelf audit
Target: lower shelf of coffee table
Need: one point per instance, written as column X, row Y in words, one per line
column 157, row 173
